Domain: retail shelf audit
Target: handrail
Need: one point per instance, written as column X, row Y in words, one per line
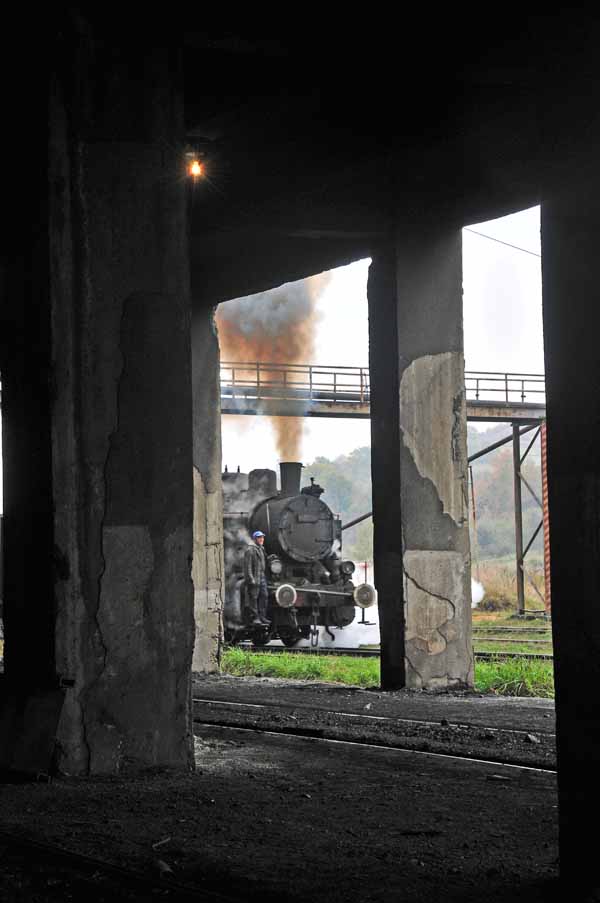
column 345, row 384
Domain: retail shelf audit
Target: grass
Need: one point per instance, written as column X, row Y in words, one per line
column 506, row 678
column 342, row 669
column 515, row 678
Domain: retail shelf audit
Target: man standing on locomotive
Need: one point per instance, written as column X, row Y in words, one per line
column 255, row 580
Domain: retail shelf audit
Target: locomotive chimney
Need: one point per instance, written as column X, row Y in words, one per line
column 290, row 477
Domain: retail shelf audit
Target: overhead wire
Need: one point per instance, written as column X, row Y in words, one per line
column 500, row 242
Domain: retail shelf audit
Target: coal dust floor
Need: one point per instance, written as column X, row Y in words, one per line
column 514, row 730
column 276, row 815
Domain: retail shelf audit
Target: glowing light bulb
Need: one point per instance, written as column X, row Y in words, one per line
column 196, row 169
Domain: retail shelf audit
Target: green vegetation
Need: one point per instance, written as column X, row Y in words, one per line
column 506, row 678
column 343, row 669
column 515, row 678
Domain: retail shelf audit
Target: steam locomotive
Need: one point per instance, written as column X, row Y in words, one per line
column 309, row 583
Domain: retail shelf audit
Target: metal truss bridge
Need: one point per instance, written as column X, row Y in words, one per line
column 307, row 390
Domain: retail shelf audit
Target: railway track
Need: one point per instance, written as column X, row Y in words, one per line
column 374, row 653
column 461, row 741
column 521, row 631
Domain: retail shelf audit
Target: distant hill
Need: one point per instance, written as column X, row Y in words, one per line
column 347, row 484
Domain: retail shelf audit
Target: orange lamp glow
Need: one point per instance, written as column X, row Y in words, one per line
column 196, row 169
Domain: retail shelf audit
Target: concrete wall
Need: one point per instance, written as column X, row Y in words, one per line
column 208, row 565
column 422, row 556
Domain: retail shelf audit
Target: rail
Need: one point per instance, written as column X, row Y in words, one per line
column 350, row 385
column 375, row 653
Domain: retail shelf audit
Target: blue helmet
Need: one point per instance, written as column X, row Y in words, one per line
column 257, row 533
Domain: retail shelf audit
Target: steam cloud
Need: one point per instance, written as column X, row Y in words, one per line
column 477, row 593
column 275, row 327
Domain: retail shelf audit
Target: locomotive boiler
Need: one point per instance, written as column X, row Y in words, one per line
column 310, row 586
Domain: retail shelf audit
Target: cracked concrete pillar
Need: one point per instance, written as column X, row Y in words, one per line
column 419, row 459
column 571, row 301
column 122, row 410
column 208, row 567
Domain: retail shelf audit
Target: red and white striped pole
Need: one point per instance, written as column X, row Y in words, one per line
column 546, row 519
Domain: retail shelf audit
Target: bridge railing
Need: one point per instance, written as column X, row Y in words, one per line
column 310, row 382
column 508, row 388
column 350, row 385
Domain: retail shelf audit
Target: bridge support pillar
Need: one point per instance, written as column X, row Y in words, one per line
column 419, row 459
column 208, row 564
column 571, row 305
column 98, row 592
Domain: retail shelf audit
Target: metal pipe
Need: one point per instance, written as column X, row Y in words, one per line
column 313, row 589
column 322, row 592
column 357, row 520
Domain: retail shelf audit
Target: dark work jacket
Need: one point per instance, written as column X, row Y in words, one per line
column 255, row 564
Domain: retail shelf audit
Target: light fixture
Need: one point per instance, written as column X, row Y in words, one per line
column 194, row 166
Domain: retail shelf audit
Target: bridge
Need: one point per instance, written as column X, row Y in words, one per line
column 309, row 390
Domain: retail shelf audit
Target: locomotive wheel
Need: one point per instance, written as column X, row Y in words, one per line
column 289, row 639
column 232, row 637
column 261, row 637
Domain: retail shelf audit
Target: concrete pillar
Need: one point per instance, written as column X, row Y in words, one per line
column 26, row 374
column 420, row 489
column 571, row 305
column 208, row 565
column 107, row 343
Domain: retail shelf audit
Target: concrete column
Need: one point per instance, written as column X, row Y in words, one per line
column 208, row 566
column 26, row 374
column 122, row 413
column 420, row 489
column 385, row 466
column 571, row 305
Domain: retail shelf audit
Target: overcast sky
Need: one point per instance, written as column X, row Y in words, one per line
column 502, row 322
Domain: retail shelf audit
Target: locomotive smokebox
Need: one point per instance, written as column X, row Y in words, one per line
column 291, row 472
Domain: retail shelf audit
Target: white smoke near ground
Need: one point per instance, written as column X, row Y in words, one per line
column 477, row 593
column 351, row 637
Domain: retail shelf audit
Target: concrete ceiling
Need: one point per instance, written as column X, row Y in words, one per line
column 319, row 135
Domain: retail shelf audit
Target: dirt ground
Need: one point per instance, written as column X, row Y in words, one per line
column 273, row 816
